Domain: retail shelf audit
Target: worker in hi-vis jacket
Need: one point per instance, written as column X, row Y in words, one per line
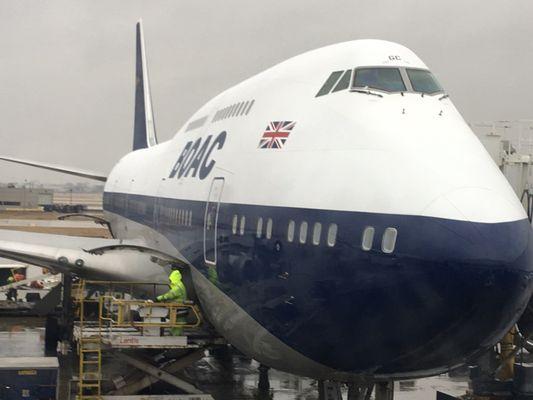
column 177, row 293
column 16, row 276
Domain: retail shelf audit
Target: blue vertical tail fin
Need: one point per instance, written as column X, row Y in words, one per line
column 144, row 134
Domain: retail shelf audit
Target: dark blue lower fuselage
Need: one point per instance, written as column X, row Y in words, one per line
column 449, row 288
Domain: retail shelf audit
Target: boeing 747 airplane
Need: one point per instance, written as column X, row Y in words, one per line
column 338, row 217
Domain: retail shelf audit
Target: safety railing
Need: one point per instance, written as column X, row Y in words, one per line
column 116, row 308
column 118, row 289
column 119, row 313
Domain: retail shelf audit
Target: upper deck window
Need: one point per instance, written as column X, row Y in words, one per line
column 386, row 79
column 423, row 81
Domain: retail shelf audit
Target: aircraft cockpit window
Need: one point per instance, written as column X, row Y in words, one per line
column 344, row 82
column 330, row 82
column 386, row 79
column 423, row 81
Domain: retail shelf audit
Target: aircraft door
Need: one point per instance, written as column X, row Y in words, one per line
column 211, row 221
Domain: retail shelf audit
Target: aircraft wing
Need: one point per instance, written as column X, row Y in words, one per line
column 90, row 258
column 59, row 168
column 51, row 239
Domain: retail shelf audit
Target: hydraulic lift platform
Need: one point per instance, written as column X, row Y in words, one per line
column 112, row 320
column 131, row 338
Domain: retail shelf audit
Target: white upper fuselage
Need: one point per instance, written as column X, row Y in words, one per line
column 404, row 154
column 355, row 161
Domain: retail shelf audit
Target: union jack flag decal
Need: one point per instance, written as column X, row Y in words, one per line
column 276, row 134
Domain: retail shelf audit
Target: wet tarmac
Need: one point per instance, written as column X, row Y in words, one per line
column 239, row 380
column 228, row 376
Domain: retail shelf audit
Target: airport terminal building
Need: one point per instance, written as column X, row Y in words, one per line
column 12, row 197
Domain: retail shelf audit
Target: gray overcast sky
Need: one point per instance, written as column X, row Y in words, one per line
column 67, row 66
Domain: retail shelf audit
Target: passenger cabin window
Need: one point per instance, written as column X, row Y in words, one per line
column 344, row 82
column 259, row 227
column 386, row 79
column 269, row 228
column 332, row 235
column 368, row 238
column 209, row 221
column 243, row 222
column 317, row 231
column 290, row 231
column 388, row 242
column 423, row 81
column 330, row 82
column 303, row 232
column 234, row 224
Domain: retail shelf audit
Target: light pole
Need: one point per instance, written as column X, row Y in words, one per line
column 24, row 204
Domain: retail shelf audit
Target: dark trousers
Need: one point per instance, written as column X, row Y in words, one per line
column 12, row 294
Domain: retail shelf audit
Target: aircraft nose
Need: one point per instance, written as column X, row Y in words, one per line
column 454, row 285
column 476, row 204
column 491, row 268
column 482, row 273
column 482, row 227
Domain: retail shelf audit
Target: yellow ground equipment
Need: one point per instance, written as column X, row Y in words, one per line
column 117, row 319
